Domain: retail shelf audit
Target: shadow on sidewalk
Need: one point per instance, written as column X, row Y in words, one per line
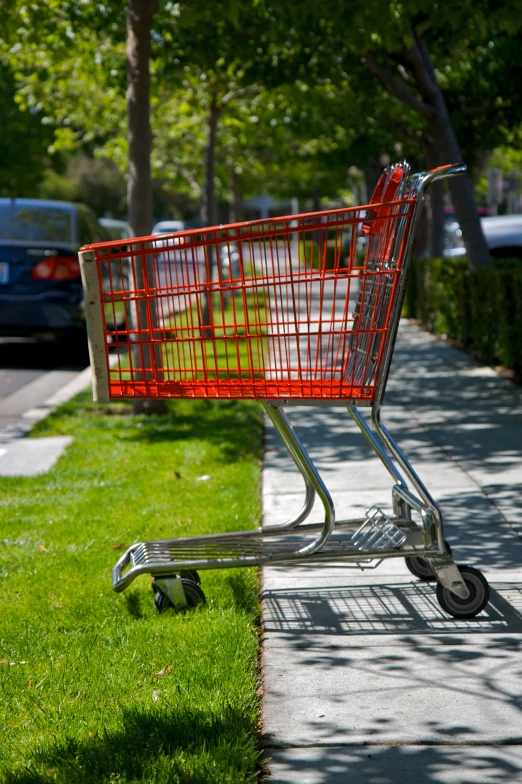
column 386, row 609
column 413, row 696
column 463, row 764
column 473, row 414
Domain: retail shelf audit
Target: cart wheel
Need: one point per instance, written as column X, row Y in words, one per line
column 478, row 595
column 193, row 594
column 421, row 568
column 190, row 574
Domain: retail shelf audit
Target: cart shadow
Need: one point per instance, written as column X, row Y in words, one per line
column 384, row 609
column 148, row 740
column 395, row 700
column 393, row 764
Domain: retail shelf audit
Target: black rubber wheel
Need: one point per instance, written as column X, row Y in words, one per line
column 420, row 567
column 193, row 594
column 478, row 595
column 190, row 574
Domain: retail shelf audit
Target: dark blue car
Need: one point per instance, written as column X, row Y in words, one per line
column 40, row 284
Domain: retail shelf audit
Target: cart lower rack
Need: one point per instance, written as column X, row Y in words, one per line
column 302, row 310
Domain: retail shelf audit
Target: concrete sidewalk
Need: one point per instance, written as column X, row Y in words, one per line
column 365, row 678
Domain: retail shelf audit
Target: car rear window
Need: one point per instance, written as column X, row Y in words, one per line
column 34, row 222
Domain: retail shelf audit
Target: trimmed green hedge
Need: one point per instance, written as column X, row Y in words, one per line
column 329, row 255
column 482, row 308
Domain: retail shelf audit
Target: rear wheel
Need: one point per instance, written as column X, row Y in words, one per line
column 477, row 600
column 421, row 567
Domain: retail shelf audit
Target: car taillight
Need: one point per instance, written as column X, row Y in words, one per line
column 57, row 268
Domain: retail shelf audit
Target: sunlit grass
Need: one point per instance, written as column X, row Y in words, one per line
column 95, row 686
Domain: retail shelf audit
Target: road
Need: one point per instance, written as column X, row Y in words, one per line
column 31, row 372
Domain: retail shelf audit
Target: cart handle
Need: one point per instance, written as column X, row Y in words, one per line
column 385, row 191
column 440, row 172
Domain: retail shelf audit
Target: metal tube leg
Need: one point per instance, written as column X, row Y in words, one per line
column 401, row 497
column 445, row 569
column 432, row 511
column 301, row 458
column 309, row 488
column 376, row 446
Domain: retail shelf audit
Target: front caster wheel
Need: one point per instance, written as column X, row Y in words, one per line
column 191, row 574
column 193, row 596
column 421, row 568
column 477, row 600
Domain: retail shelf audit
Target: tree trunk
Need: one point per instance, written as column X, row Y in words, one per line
column 209, row 205
column 236, row 212
column 460, row 188
column 448, row 151
column 437, row 220
column 139, row 189
column 432, row 106
column 372, row 172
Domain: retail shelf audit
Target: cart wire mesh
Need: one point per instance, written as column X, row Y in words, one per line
column 292, row 308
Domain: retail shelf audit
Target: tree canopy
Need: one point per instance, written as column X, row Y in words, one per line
column 266, row 95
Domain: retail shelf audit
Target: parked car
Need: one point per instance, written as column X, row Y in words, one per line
column 117, row 229
column 168, row 227
column 503, row 235
column 40, row 286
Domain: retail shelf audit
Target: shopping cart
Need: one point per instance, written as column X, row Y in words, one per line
column 307, row 315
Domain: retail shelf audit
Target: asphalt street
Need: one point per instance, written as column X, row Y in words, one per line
column 24, row 361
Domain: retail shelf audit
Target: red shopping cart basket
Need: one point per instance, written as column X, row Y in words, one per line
column 264, row 309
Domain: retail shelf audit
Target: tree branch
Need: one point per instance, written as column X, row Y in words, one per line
column 185, row 173
column 423, row 70
column 242, row 91
column 398, row 89
column 423, row 141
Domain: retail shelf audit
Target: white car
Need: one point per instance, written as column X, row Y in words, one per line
column 168, row 227
column 503, row 234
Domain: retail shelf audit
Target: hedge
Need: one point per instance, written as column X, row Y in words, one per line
column 328, row 255
column 480, row 308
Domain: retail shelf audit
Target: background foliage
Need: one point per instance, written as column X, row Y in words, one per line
column 478, row 308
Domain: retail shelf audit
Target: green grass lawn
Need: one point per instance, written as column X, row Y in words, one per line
column 95, row 686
